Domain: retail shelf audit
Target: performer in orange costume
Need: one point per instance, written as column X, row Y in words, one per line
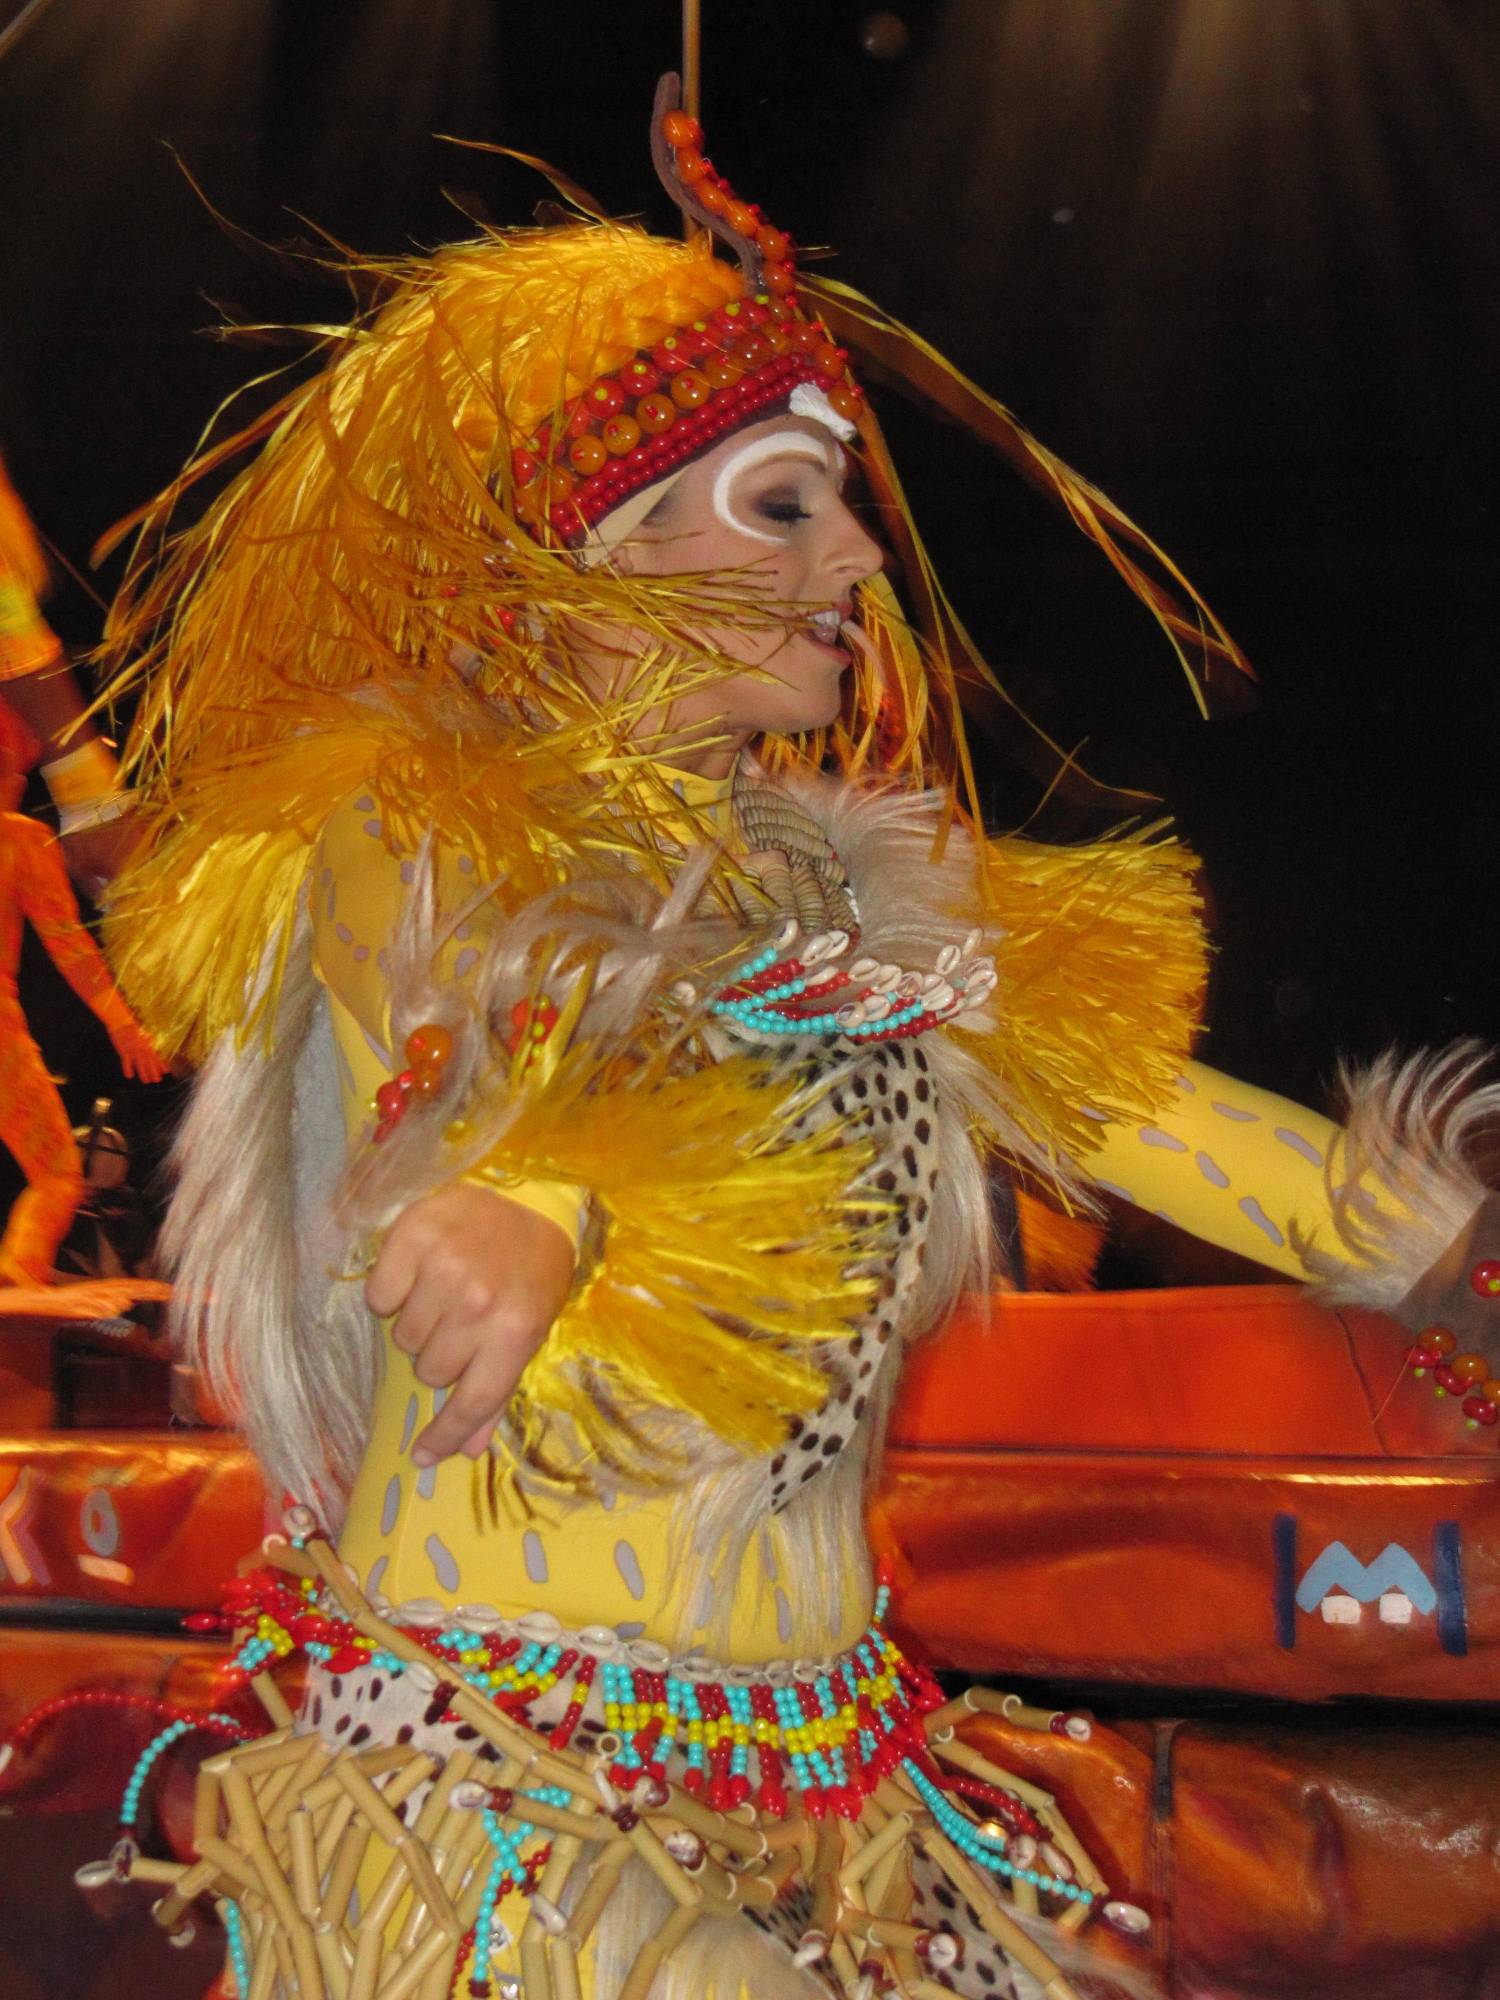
column 33, row 1121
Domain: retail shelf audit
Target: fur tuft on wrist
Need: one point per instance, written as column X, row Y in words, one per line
column 1410, row 1173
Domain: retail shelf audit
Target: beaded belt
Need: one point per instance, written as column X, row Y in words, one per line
column 824, row 1733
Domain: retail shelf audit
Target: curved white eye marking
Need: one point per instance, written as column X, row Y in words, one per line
column 754, row 452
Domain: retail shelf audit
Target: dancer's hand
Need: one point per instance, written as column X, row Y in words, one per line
column 138, row 1057
column 474, row 1281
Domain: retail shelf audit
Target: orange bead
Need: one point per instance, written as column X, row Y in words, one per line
column 586, row 455
column 778, row 339
column 846, row 400
column 426, row 1079
column 1470, row 1367
column 681, row 128
column 1438, row 1338
column 689, row 389
column 431, row 1043
column 691, row 165
column 656, row 413
column 621, row 434
column 719, row 371
column 751, row 350
column 827, row 360
column 560, row 484
column 772, row 244
column 780, row 280
column 711, row 197
column 741, row 218
column 1490, row 1389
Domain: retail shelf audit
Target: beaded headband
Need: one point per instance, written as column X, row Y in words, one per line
column 641, row 423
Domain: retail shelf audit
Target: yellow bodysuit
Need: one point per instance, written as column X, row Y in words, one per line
column 1235, row 1165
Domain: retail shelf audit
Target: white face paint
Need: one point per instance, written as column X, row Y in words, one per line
column 754, row 452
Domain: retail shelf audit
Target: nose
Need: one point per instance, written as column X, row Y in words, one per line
column 851, row 553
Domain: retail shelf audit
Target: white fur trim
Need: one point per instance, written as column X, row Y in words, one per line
column 1402, row 1186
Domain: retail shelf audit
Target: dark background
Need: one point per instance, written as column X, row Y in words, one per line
column 1236, row 260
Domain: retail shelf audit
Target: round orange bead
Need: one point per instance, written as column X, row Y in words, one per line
column 691, row 165
column 719, row 371
column 621, row 434
column 1438, row 1338
column 751, row 350
column 586, row 455
column 1470, row 1367
column 778, row 339
column 772, row 244
column 711, row 197
column 827, row 360
column 681, row 128
column 655, row 414
column 846, row 400
column 780, row 280
column 431, row 1043
column 1490, row 1389
column 741, row 217
column 689, row 389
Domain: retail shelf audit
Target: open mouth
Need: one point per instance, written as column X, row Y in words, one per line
column 825, row 628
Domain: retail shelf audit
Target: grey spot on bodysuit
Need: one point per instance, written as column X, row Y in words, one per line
column 1211, row 1170
column 391, row 1505
column 377, row 1575
column 535, row 1556
column 1114, row 1188
column 465, row 962
column 444, row 1568
column 378, row 1049
column 439, row 1397
column 628, row 1563
column 374, row 828
column 1187, row 1086
column 427, row 1481
column 1235, row 1111
column 1250, row 1207
column 783, row 1617
column 361, row 953
column 343, row 933
column 630, row 1628
column 1300, row 1145
column 408, row 1424
column 767, row 1555
column 364, row 804
column 1153, row 1135
column 408, row 872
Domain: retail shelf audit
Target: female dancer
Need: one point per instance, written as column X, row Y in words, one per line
column 562, row 862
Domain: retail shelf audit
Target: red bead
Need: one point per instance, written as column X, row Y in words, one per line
column 670, row 355
column 1447, row 1380
column 1485, row 1278
column 524, row 467
column 606, row 398
column 390, row 1102
column 640, row 378
column 1480, row 1410
column 1438, row 1338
